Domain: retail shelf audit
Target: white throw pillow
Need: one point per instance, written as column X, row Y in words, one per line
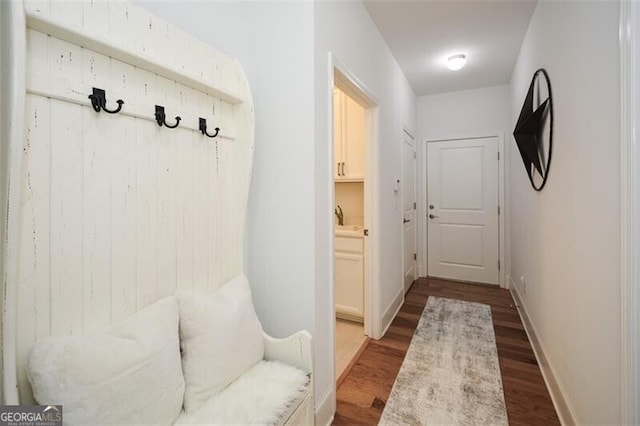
column 130, row 373
column 220, row 337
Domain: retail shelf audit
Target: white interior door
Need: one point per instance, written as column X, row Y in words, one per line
column 409, row 209
column 462, row 210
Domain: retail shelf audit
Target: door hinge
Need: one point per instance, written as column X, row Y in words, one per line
column 414, row 155
column 498, row 210
column 498, row 265
column 366, row 232
column 498, row 155
column 415, row 206
column 415, row 256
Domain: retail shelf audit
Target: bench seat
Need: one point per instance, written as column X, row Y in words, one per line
column 267, row 393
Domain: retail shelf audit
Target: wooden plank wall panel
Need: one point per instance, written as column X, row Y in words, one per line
column 147, row 213
column 96, row 71
column 37, row 58
column 235, row 254
column 184, row 198
column 66, row 9
column 192, row 102
column 116, row 211
column 132, row 29
column 213, row 201
column 66, row 62
column 200, row 212
column 124, row 195
column 94, row 13
column 167, row 269
column 228, row 234
column 33, row 272
column 98, row 132
column 122, row 175
column 67, row 281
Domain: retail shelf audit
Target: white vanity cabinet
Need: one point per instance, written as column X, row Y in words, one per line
column 348, row 128
column 349, row 267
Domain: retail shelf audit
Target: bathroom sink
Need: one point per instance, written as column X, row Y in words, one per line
column 349, row 231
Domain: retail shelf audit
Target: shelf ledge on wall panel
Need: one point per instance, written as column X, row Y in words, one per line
column 73, row 34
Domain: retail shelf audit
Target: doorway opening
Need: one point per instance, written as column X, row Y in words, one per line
column 354, row 115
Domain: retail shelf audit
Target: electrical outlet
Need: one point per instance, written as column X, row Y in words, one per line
column 523, row 284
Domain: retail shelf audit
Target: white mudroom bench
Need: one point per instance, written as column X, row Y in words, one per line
column 190, row 359
column 129, row 157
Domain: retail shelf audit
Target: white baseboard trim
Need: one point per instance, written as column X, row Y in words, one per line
column 326, row 408
column 565, row 411
column 391, row 311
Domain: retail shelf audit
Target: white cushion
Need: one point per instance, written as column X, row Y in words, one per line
column 220, row 338
column 262, row 395
column 130, row 373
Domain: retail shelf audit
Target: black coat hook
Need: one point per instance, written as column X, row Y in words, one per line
column 203, row 128
column 99, row 101
column 161, row 118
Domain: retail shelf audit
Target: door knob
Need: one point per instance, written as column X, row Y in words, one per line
column 406, row 220
column 432, row 216
column 431, row 207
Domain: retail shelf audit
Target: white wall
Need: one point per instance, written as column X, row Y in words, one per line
column 283, row 47
column 566, row 239
column 463, row 113
column 346, row 30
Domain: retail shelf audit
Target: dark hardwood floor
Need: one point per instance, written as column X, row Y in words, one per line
column 364, row 392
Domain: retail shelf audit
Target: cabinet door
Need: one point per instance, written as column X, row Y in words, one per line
column 353, row 141
column 350, row 284
column 338, row 131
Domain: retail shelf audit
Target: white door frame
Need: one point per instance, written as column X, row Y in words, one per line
column 422, row 210
column 402, row 195
column 359, row 91
column 630, row 210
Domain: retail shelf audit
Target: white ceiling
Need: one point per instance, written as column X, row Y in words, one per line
column 422, row 34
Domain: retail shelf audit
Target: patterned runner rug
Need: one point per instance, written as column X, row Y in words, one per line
column 451, row 374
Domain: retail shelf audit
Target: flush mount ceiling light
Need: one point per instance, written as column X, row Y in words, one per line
column 455, row 62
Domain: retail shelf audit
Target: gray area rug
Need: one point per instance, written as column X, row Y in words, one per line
column 451, row 373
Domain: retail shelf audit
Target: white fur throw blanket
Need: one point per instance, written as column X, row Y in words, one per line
column 261, row 395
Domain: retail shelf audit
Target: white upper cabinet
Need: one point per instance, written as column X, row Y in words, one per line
column 349, row 121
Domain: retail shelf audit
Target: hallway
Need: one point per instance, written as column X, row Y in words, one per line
column 361, row 397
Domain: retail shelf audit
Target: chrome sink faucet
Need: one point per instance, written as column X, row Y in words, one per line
column 339, row 215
